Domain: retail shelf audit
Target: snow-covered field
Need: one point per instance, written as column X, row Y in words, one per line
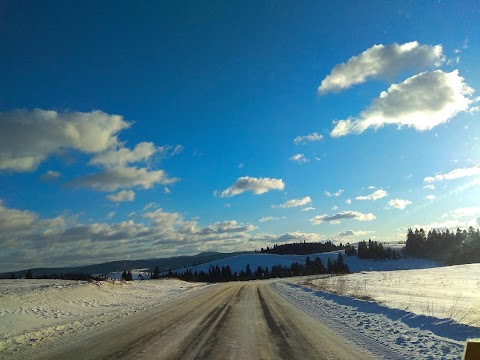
column 34, row 311
column 445, row 292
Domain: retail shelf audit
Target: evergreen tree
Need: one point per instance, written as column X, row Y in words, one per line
column 259, row 273
column 329, row 266
column 156, row 273
column 248, row 273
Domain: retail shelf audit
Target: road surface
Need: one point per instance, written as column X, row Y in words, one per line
column 238, row 320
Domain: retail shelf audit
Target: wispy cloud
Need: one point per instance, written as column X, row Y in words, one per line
column 295, row 202
column 123, row 177
column 454, row 174
column 50, row 175
column 270, row 218
column 309, row 208
column 336, row 194
column 377, row 194
column 381, row 61
column 307, row 138
column 423, row 102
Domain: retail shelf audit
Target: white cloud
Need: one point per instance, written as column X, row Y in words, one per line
column 296, row 202
column 27, row 239
column 309, row 208
column 112, row 179
column 423, row 101
column 307, row 138
column 289, row 237
column 448, row 224
column 377, row 194
column 336, row 194
column 230, row 226
column 163, row 219
column 381, row 61
column 352, row 233
column 371, row 187
column 466, row 212
column 342, row 215
column 13, row 219
column 50, row 175
column 348, row 201
column 454, row 174
column 399, row 203
column 124, row 195
column 110, row 215
column 299, row 158
column 255, row 185
column 430, row 197
column 29, row 137
column 123, row 156
column 166, row 190
column 430, row 187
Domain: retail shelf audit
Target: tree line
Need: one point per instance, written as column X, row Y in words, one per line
column 62, row 276
column 225, row 274
column 372, row 250
column 450, row 247
column 304, row 248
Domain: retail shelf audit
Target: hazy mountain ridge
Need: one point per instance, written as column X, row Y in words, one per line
column 164, row 264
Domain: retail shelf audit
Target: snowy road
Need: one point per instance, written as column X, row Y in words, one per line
column 228, row 321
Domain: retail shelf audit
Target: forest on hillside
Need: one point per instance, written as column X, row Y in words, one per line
column 225, row 274
column 302, row 248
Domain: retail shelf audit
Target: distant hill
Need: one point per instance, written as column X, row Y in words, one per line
column 173, row 263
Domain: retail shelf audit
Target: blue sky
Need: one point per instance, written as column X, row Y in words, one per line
column 131, row 131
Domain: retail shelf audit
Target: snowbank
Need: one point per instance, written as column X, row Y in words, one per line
column 388, row 333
